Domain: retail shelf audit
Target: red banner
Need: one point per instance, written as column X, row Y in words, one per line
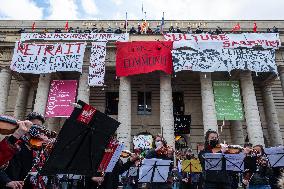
column 143, row 57
column 61, row 94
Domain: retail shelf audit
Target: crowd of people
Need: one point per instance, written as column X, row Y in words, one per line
column 21, row 161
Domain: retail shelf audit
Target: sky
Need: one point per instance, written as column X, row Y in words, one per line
column 116, row 9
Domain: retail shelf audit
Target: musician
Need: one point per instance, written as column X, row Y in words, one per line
column 213, row 179
column 160, row 151
column 8, row 146
column 22, row 162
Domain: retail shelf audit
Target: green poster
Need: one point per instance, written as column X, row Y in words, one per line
column 228, row 100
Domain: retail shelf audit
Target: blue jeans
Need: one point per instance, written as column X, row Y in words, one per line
column 259, row 187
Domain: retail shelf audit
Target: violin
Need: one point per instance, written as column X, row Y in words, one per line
column 163, row 150
column 8, row 125
column 231, row 149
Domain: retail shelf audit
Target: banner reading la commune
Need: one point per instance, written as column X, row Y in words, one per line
column 227, row 41
column 143, row 57
column 38, row 58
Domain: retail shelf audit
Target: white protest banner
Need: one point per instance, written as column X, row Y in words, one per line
column 211, row 60
column 143, row 142
column 235, row 162
column 38, row 58
column 208, row 41
column 97, row 64
column 75, row 36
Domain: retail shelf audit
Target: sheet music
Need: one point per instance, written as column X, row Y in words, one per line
column 213, row 161
column 160, row 168
column 235, row 162
column 275, row 156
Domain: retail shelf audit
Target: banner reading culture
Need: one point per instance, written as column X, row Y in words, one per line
column 143, row 57
column 227, row 41
column 38, row 58
column 61, row 94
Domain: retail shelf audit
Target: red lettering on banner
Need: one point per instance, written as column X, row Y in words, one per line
column 214, row 37
column 69, row 48
column 179, row 37
column 234, row 43
column 27, row 49
column 226, row 44
column 79, row 46
column 203, row 38
column 21, row 47
column 195, row 38
column 168, row 36
column 40, row 46
column 223, row 37
column 58, row 50
column 185, row 37
column 48, row 49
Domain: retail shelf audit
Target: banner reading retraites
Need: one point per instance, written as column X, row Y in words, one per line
column 97, row 64
column 38, row 58
column 143, row 57
column 75, row 36
column 61, row 94
column 211, row 60
column 228, row 41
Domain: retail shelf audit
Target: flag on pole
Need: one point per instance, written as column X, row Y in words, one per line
column 254, row 27
column 33, row 27
column 66, row 26
column 125, row 23
column 163, row 23
column 237, row 27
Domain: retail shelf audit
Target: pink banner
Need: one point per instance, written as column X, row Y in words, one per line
column 61, row 94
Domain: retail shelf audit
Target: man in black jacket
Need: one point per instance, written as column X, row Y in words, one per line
column 213, row 179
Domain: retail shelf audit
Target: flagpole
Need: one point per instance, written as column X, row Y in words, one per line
column 126, row 22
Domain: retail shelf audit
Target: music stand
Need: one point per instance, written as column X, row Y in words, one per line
column 235, row 162
column 275, row 156
column 154, row 170
column 213, row 161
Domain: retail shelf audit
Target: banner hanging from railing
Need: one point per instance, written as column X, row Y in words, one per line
column 224, row 41
column 143, row 57
column 38, row 58
column 75, row 36
column 61, row 94
column 97, row 64
column 211, row 60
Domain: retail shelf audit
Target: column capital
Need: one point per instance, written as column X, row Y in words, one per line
column 281, row 69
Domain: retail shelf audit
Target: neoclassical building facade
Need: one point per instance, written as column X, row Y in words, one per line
column 146, row 103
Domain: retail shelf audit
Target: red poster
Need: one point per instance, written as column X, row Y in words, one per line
column 61, row 94
column 143, row 57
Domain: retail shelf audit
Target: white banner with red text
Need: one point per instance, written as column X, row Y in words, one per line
column 224, row 41
column 38, row 58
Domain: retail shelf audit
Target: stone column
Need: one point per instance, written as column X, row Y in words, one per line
column 281, row 75
column 42, row 93
column 166, row 109
column 271, row 117
column 84, row 88
column 5, row 81
column 21, row 102
column 53, row 124
column 208, row 103
column 254, row 129
column 124, row 112
column 237, row 133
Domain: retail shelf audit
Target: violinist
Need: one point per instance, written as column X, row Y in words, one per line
column 22, row 162
column 213, row 179
column 160, row 151
column 8, row 146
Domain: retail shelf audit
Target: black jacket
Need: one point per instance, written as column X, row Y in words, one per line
column 222, row 176
column 18, row 168
column 111, row 180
